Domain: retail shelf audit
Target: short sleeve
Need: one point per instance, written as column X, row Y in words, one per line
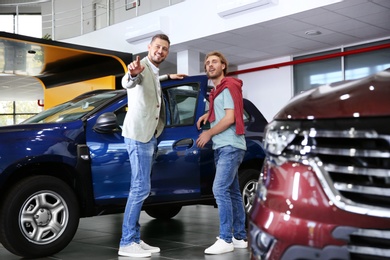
column 227, row 99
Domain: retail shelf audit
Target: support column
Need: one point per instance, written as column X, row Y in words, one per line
column 188, row 62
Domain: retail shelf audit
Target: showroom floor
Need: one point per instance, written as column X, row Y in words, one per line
column 184, row 237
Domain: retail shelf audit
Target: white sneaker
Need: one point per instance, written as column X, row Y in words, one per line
column 219, row 247
column 151, row 249
column 133, row 250
column 240, row 243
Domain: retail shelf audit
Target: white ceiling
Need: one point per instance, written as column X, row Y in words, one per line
column 342, row 24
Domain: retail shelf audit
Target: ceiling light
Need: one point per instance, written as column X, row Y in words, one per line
column 237, row 6
column 313, row 32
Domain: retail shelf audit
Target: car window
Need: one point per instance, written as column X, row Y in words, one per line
column 181, row 104
column 71, row 110
column 120, row 115
column 246, row 116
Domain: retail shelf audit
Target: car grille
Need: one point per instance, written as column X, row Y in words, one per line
column 367, row 244
column 351, row 159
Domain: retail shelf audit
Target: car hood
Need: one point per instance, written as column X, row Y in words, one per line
column 366, row 97
column 39, row 137
column 28, row 128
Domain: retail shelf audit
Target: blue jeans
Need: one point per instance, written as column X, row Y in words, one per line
column 227, row 193
column 141, row 159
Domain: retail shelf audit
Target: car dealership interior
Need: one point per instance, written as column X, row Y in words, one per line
column 53, row 51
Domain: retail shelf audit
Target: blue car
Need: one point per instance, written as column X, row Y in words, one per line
column 70, row 161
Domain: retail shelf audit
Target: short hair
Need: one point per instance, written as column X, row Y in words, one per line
column 162, row 37
column 221, row 57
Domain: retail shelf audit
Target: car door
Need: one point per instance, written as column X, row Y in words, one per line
column 110, row 166
column 181, row 171
column 176, row 173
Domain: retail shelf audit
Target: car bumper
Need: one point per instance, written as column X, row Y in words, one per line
column 292, row 218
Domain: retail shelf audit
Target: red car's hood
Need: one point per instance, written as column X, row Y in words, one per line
column 360, row 98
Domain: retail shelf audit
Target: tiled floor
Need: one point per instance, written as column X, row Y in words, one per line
column 183, row 237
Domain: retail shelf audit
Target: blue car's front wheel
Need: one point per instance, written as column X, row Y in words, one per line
column 38, row 217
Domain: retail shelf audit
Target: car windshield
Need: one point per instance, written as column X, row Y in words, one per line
column 71, row 110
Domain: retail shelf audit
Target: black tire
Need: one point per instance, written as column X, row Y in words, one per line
column 248, row 180
column 163, row 212
column 38, row 217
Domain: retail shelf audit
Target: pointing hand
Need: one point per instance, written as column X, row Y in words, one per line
column 135, row 67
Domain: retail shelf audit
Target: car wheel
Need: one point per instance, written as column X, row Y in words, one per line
column 248, row 180
column 163, row 212
column 38, row 217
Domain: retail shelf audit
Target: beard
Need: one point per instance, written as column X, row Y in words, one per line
column 156, row 61
column 214, row 74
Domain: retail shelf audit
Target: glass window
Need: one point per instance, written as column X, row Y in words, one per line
column 246, row 116
column 6, row 107
column 6, row 120
column 27, row 107
column 120, row 115
column 15, row 112
column 313, row 74
column 20, row 118
column 364, row 64
column 7, row 23
column 73, row 109
column 25, row 24
column 30, row 25
column 181, row 104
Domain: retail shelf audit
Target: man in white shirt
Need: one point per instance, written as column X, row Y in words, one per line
column 144, row 122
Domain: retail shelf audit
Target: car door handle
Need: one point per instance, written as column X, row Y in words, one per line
column 184, row 143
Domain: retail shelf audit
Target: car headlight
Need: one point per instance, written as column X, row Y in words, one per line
column 277, row 136
column 264, row 241
column 261, row 242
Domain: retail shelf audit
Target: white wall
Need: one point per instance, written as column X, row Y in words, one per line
column 269, row 90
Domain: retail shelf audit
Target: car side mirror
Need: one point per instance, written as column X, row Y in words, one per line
column 106, row 123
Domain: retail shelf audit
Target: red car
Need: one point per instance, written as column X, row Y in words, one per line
column 324, row 192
